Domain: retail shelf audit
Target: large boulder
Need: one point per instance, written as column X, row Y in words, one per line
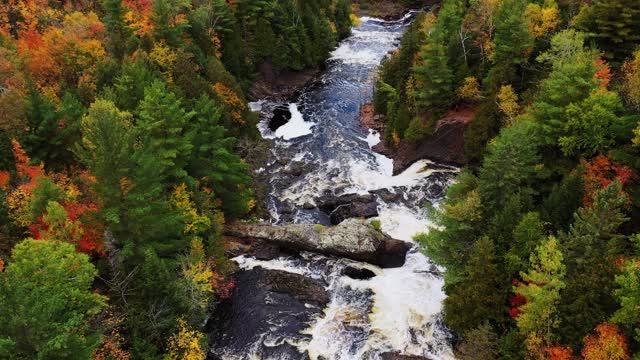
column 265, row 301
column 395, row 356
column 353, row 238
column 340, row 208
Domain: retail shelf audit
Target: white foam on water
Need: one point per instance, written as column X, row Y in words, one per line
column 406, row 303
column 282, row 264
column 401, row 222
column 367, row 176
column 373, row 138
column 256, row 106
column 351, row 55
column 407, row 299
column 296, row 127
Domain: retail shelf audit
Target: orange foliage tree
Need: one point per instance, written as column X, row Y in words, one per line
column 607, row 344
column 559, row 353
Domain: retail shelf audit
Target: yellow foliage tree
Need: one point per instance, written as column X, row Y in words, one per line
column 508, row 102
column 631, row 82
column 194, row 223
column 187, row 344
column 231, row 99
column 470, row 89
column 542, row 20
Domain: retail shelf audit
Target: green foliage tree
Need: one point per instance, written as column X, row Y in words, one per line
column 434, row 80
column 45, row 140
column 44, row 192
column 105, row 149
column 511, row 41
column 459, row 221
column 570, row 81
column 613, row 24
column 476, row 298
column 589, row 127
column 628, row 294
column 527, row 235
column 161, row 124
column 479, row 343
column 510, row 164
column 46, row 303
column 541, row 286
column 213, row 160
column 589, row 250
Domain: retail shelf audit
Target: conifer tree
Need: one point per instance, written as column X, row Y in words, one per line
column 161, row 124
column 590, row 249
column 477, row 298
column 434, row 80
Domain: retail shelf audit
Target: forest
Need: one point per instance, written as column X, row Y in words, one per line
column 539, row 234
column 127, row 143
column 121, row 132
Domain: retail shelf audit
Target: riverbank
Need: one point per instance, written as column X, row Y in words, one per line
column 444, row 146
column 386, row 9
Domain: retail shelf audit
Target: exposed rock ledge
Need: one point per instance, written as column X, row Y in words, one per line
column 353, row 238
column 394, row 356
column 281, row 85
column 445, row 146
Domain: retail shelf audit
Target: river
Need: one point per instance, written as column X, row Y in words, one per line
column 399, row 309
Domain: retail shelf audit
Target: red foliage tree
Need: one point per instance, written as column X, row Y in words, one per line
column 603, row 73
column 599, row 174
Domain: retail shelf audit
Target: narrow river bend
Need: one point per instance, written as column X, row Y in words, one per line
column 398, row 310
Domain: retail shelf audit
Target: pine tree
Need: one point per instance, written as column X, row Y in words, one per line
column 570, row 81
column 45, row 140
column 105, row 149
column 527, row 235
column 614, row 25
column 161, row 124
column 510, row 43
column 509, row 164
column 477, row 298
column 213, row 160
column 434, row 80
column 590, row 249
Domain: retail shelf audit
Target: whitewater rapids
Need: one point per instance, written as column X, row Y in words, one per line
column 398, row 310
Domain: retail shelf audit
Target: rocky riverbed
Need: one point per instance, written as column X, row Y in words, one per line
column 333, row 273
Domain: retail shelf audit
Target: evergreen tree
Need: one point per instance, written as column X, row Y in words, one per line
column 511, row 41
column 213, row 161
column 459, row 221
column 45, row 140
column 434, row 80
column 613, row 24
column 571, row 81
column 161, row 124
column 509, row 164
column 590, row 249
column 628, row 294
column 476, row 298
column 105, row 149
column 527, row 235
column 116, row 27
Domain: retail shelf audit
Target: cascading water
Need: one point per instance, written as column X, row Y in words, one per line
column 397, row 310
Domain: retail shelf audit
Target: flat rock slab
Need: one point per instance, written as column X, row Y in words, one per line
column 354, row 239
